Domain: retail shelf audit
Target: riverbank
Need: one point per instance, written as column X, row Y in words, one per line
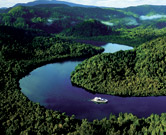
column 31, row 118
column 28, row 117
column 47, row 87
column 91, row 42
column 139, row 72
column 19, row 115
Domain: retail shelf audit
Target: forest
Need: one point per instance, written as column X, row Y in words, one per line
column 91, row 28
column 34, row 36
column 25, row 51
column 139, row 72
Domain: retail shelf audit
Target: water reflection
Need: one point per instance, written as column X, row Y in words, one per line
column 50, row 86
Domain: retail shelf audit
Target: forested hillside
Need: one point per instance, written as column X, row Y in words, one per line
column 54, row 18
column 88, row 28
column 146, row 10
column 21, row 51
column 18, row 115
column 140, row 72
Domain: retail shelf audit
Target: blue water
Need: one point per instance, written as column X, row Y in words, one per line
column 111, row 48
column 50, row 86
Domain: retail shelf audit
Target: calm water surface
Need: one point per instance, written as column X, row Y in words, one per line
column 50, row 86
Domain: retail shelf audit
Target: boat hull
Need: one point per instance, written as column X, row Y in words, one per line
column 100, row 102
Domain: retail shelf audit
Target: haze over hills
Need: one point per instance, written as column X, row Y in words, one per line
column 57, row 17
column 38, row 2
column 146, row 9
column 99, row 3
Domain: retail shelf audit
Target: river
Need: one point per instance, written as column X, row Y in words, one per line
column 50, row 86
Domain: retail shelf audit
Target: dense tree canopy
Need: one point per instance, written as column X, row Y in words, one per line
column 88, row 28
column 140, row 72
column 19, row 54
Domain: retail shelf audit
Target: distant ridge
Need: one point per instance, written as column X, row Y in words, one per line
column 39, row 2
column 146, row 9
column 3, row 10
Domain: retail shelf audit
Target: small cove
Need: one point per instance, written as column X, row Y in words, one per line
column 50, row 86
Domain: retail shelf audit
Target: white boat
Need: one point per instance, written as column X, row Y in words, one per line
column 99, row 100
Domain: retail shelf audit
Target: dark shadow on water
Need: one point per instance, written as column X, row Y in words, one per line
column 50, row 86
